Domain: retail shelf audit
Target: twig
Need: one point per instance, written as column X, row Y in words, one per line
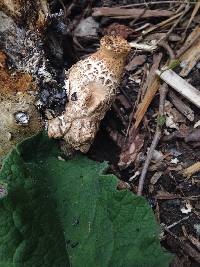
column 180, row 85
column 64, row 8
column 174, row 25
column 70, row 7
column 161, row 24
column 157, row 136
column 191, row 238
column 156, row 62
column 116, row 12
column 194, row 12
column 187, row 45
column 187, row 249
column 192, row 55
column 139, row 16
column 176, row 223
column 141, row 46
column 169, row 50
column 160, row 2
column 194, row 168
column 165, row 228
column 181, row 106
column 151, row 87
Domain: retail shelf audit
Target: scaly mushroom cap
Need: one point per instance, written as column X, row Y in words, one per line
column 115, row 44
column 91, row 87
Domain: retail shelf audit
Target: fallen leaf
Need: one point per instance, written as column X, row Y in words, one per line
column 135, row 62
column 130, row 151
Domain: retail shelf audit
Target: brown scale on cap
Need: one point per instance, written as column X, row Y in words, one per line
column 115, row 44
column 91, row 87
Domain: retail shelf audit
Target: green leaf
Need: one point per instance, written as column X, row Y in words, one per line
column 69, row 213
column 161, row 120
column 173, row 64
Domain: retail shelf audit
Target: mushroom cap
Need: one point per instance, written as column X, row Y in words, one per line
column 116, row 44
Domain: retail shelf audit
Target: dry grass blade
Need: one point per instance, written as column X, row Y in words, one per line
column 163, row 23
column 187, row 8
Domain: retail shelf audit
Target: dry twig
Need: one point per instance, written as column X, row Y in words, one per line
column 151, row 86
column 192, row 38
column 117, row 12
column 175, row 24
column 192, row 55
column 194, row 12
column 194, row 168
column 160, row 2
column 162, row 23
column 181, row 106
column 157, row 136
column 187, row 249
column 180, row 85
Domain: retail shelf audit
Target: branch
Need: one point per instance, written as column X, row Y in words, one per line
column 156, row 139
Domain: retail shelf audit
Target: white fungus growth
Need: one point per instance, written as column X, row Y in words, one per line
column 22, row 118
column 91, row 87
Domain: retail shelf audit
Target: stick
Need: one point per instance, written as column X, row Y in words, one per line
column 181, row 106
column 174, row 25
column 192, row 38
column 151, row 86
column 159, row 2
column 194, row 168
column 187, row 249
column 190, row 58
column 130, row 13
column 156, row 139
column 194, row 12
column 141, row 46
column 162, row 23
column 167, row 47
column 181, row 86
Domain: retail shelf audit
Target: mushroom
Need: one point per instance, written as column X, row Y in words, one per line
column 91, row 87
